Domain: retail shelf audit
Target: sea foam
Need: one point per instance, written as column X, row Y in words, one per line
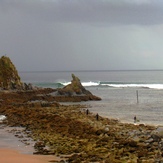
column 2, row 118
column 85, row 84
column 150, row 86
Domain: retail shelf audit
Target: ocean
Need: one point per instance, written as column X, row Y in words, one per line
column 124, row 94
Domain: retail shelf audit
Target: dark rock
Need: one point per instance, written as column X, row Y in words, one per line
column 28, row 86
column 132, row 143
column 75, row 88
column 142, row 153
column 39, row 144
column 156, row 138
column 74, row 158
column 99, row 132
column 37, row 153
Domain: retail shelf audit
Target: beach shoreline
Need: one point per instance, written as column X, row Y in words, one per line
column 68, row 130
column 14, row 149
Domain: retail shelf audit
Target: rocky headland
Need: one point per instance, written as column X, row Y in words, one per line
column 11, row 81
column 71, row 131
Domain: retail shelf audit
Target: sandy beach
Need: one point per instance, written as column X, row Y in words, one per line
column 10, row 155
column 13, row 150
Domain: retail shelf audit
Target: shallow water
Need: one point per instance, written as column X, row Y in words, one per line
column 8, row 140
column 122, row 104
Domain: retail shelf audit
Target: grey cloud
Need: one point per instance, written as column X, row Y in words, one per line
column 88, row 34
column 144, row 12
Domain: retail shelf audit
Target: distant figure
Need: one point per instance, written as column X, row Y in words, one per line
column 97, row 116
column 87, row 111
column 135, row 119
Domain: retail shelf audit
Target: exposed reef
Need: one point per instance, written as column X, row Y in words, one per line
column 72, row 132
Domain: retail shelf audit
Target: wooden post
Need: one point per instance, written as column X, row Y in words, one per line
column 137, row 95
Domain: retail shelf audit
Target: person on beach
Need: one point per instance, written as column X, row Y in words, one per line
column 135, row 119
column 97, row 116
column 87, row 111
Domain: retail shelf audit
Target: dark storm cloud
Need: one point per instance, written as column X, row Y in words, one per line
column 82, row 34
column 143, row 12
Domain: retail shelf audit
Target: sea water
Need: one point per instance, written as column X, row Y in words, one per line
column 124, row 94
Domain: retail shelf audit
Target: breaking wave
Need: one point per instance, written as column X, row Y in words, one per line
column 130, row 85
column 103, row 84
column 119, row 85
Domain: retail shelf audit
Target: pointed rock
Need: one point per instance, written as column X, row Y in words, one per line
column 9, row 78
column 75, row 88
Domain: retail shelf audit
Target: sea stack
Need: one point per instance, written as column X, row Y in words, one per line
column 9, row 78
column 75, row 88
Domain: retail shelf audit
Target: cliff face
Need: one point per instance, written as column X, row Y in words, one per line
column 9, row 78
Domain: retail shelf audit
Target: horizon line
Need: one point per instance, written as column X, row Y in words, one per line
column 90, row 70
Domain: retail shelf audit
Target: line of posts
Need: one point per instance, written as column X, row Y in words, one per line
column 137, row 95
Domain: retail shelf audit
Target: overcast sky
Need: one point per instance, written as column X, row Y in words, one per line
column 56, row 35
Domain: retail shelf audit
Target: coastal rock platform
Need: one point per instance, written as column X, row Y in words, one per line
column 77, row 135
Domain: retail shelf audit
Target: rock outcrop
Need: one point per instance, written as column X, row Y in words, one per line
column 75, row 88
column 71, row 133
column 9, row 78
column 74, row 92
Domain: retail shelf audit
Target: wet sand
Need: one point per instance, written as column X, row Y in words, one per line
column 9, row 140
column 9, row 155
column 13, row 150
